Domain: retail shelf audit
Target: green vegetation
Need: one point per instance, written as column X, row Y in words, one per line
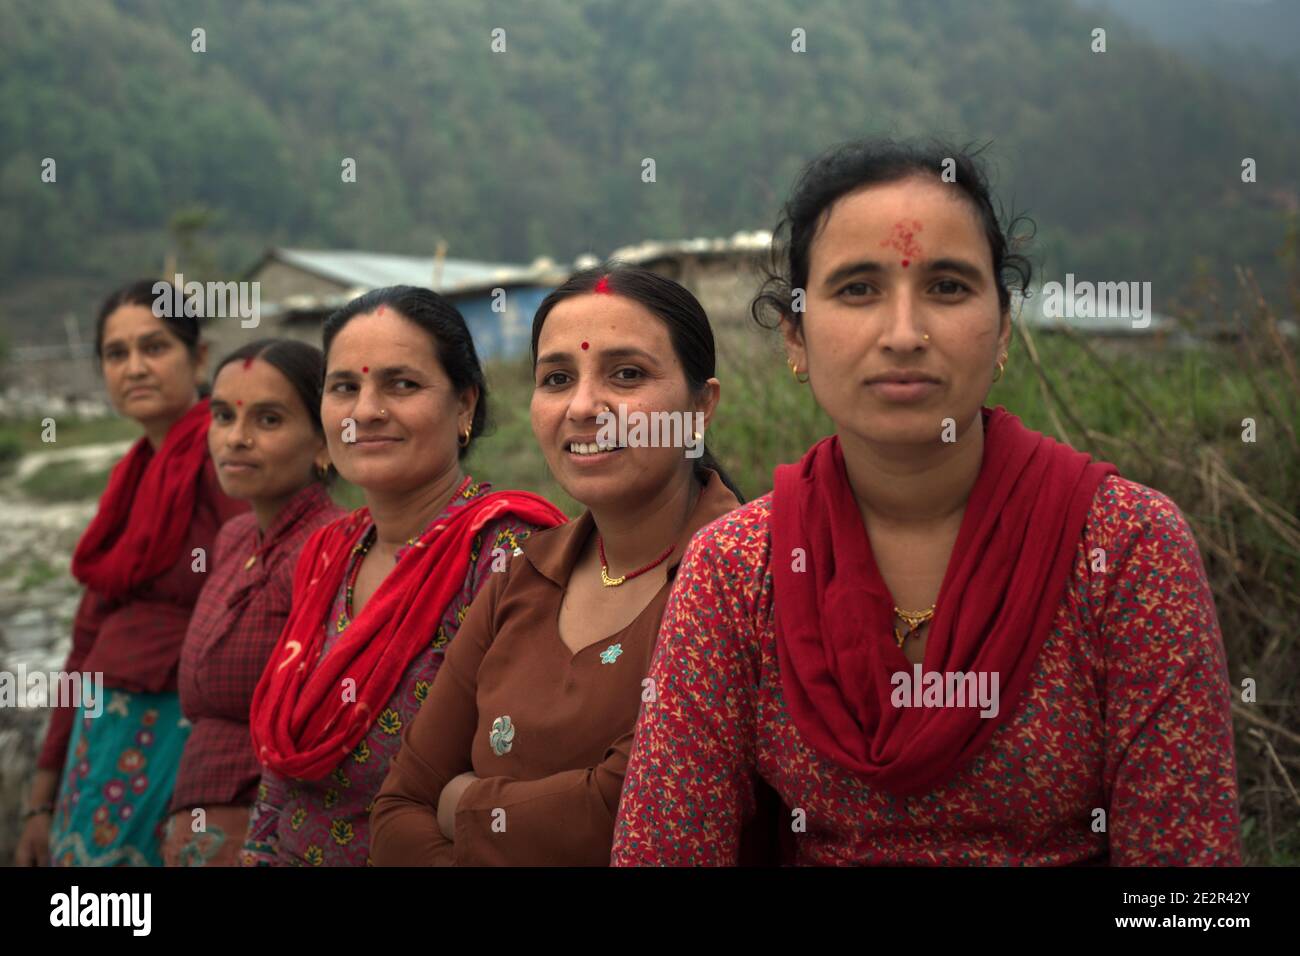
column 538, row 150
column 11, row 450
column 39, row 572
column 65, row 481
column 25, row 435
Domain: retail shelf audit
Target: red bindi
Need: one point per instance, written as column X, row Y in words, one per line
column 381, row 310
column 602, row 287
column 585, row 346
column 365, row 368
column 238, row 402
column 904, row 263
column 248, row 362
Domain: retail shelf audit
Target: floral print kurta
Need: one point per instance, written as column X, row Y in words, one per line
column 1119, row 750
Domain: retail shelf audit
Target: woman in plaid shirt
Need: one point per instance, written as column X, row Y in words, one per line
column 268, row 446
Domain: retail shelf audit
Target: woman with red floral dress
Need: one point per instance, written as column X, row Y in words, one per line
column 943, row 638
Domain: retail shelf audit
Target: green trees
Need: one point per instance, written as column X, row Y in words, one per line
column 1129, row 160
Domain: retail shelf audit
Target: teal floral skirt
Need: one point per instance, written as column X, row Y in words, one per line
column 117, row 782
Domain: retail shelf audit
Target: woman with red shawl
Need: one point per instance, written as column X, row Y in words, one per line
column 943, row 638
column 379, row 593
column 106, row 770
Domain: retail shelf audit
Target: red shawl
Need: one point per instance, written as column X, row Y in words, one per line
column 302, row 720
column 1015, row 550
column 145, row 512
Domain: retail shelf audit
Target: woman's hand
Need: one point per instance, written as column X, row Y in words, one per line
column 449, row 800
column 34, row 843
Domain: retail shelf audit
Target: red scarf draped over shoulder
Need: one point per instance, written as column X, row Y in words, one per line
column 145, row 511
column 301, row 724
column 1007, row 573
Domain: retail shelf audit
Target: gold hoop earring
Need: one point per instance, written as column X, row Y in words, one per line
column 794, row 370
column 463, row 441
column 1001, row 367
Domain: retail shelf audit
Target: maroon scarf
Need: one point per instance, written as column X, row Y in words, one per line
column 1014, row 553
column 145, row 512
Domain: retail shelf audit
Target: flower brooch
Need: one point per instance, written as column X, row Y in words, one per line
column 502, row 736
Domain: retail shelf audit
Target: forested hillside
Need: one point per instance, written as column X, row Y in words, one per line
column 1129, row 161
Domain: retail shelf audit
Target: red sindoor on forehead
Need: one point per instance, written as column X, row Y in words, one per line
column 903, row 239
column 248, row 362
column 602, row 287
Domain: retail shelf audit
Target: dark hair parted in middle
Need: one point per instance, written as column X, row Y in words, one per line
column 141, row 292
column 872, row 162
column 302, row 365
column 688, row 327
column 452, row 342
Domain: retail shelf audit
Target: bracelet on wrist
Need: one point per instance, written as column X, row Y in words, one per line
column 38, row 810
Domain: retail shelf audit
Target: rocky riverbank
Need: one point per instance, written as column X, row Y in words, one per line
column 38, row 599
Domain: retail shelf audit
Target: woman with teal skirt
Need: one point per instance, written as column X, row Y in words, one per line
column 106, row 771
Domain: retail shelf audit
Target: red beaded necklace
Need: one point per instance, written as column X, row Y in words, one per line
column 609, row 582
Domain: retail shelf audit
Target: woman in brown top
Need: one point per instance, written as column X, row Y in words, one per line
column 517, row 756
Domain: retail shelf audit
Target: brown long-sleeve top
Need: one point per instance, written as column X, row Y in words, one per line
column 547, row 732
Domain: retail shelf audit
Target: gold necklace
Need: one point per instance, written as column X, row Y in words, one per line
column 609, row 582
column 914, row 620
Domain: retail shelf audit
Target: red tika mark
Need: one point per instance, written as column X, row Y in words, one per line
column 365, row 368
column 248, row 362
column 585, row 346
column 602, row 287
column 381, row 310
column 239, row 401
column 903, row 239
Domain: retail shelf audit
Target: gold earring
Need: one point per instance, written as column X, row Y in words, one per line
column 1001, row 367
column 794, row 370
column 463, row 441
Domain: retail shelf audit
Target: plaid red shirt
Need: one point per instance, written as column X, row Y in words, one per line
column 135, row 642
column 235, row 625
